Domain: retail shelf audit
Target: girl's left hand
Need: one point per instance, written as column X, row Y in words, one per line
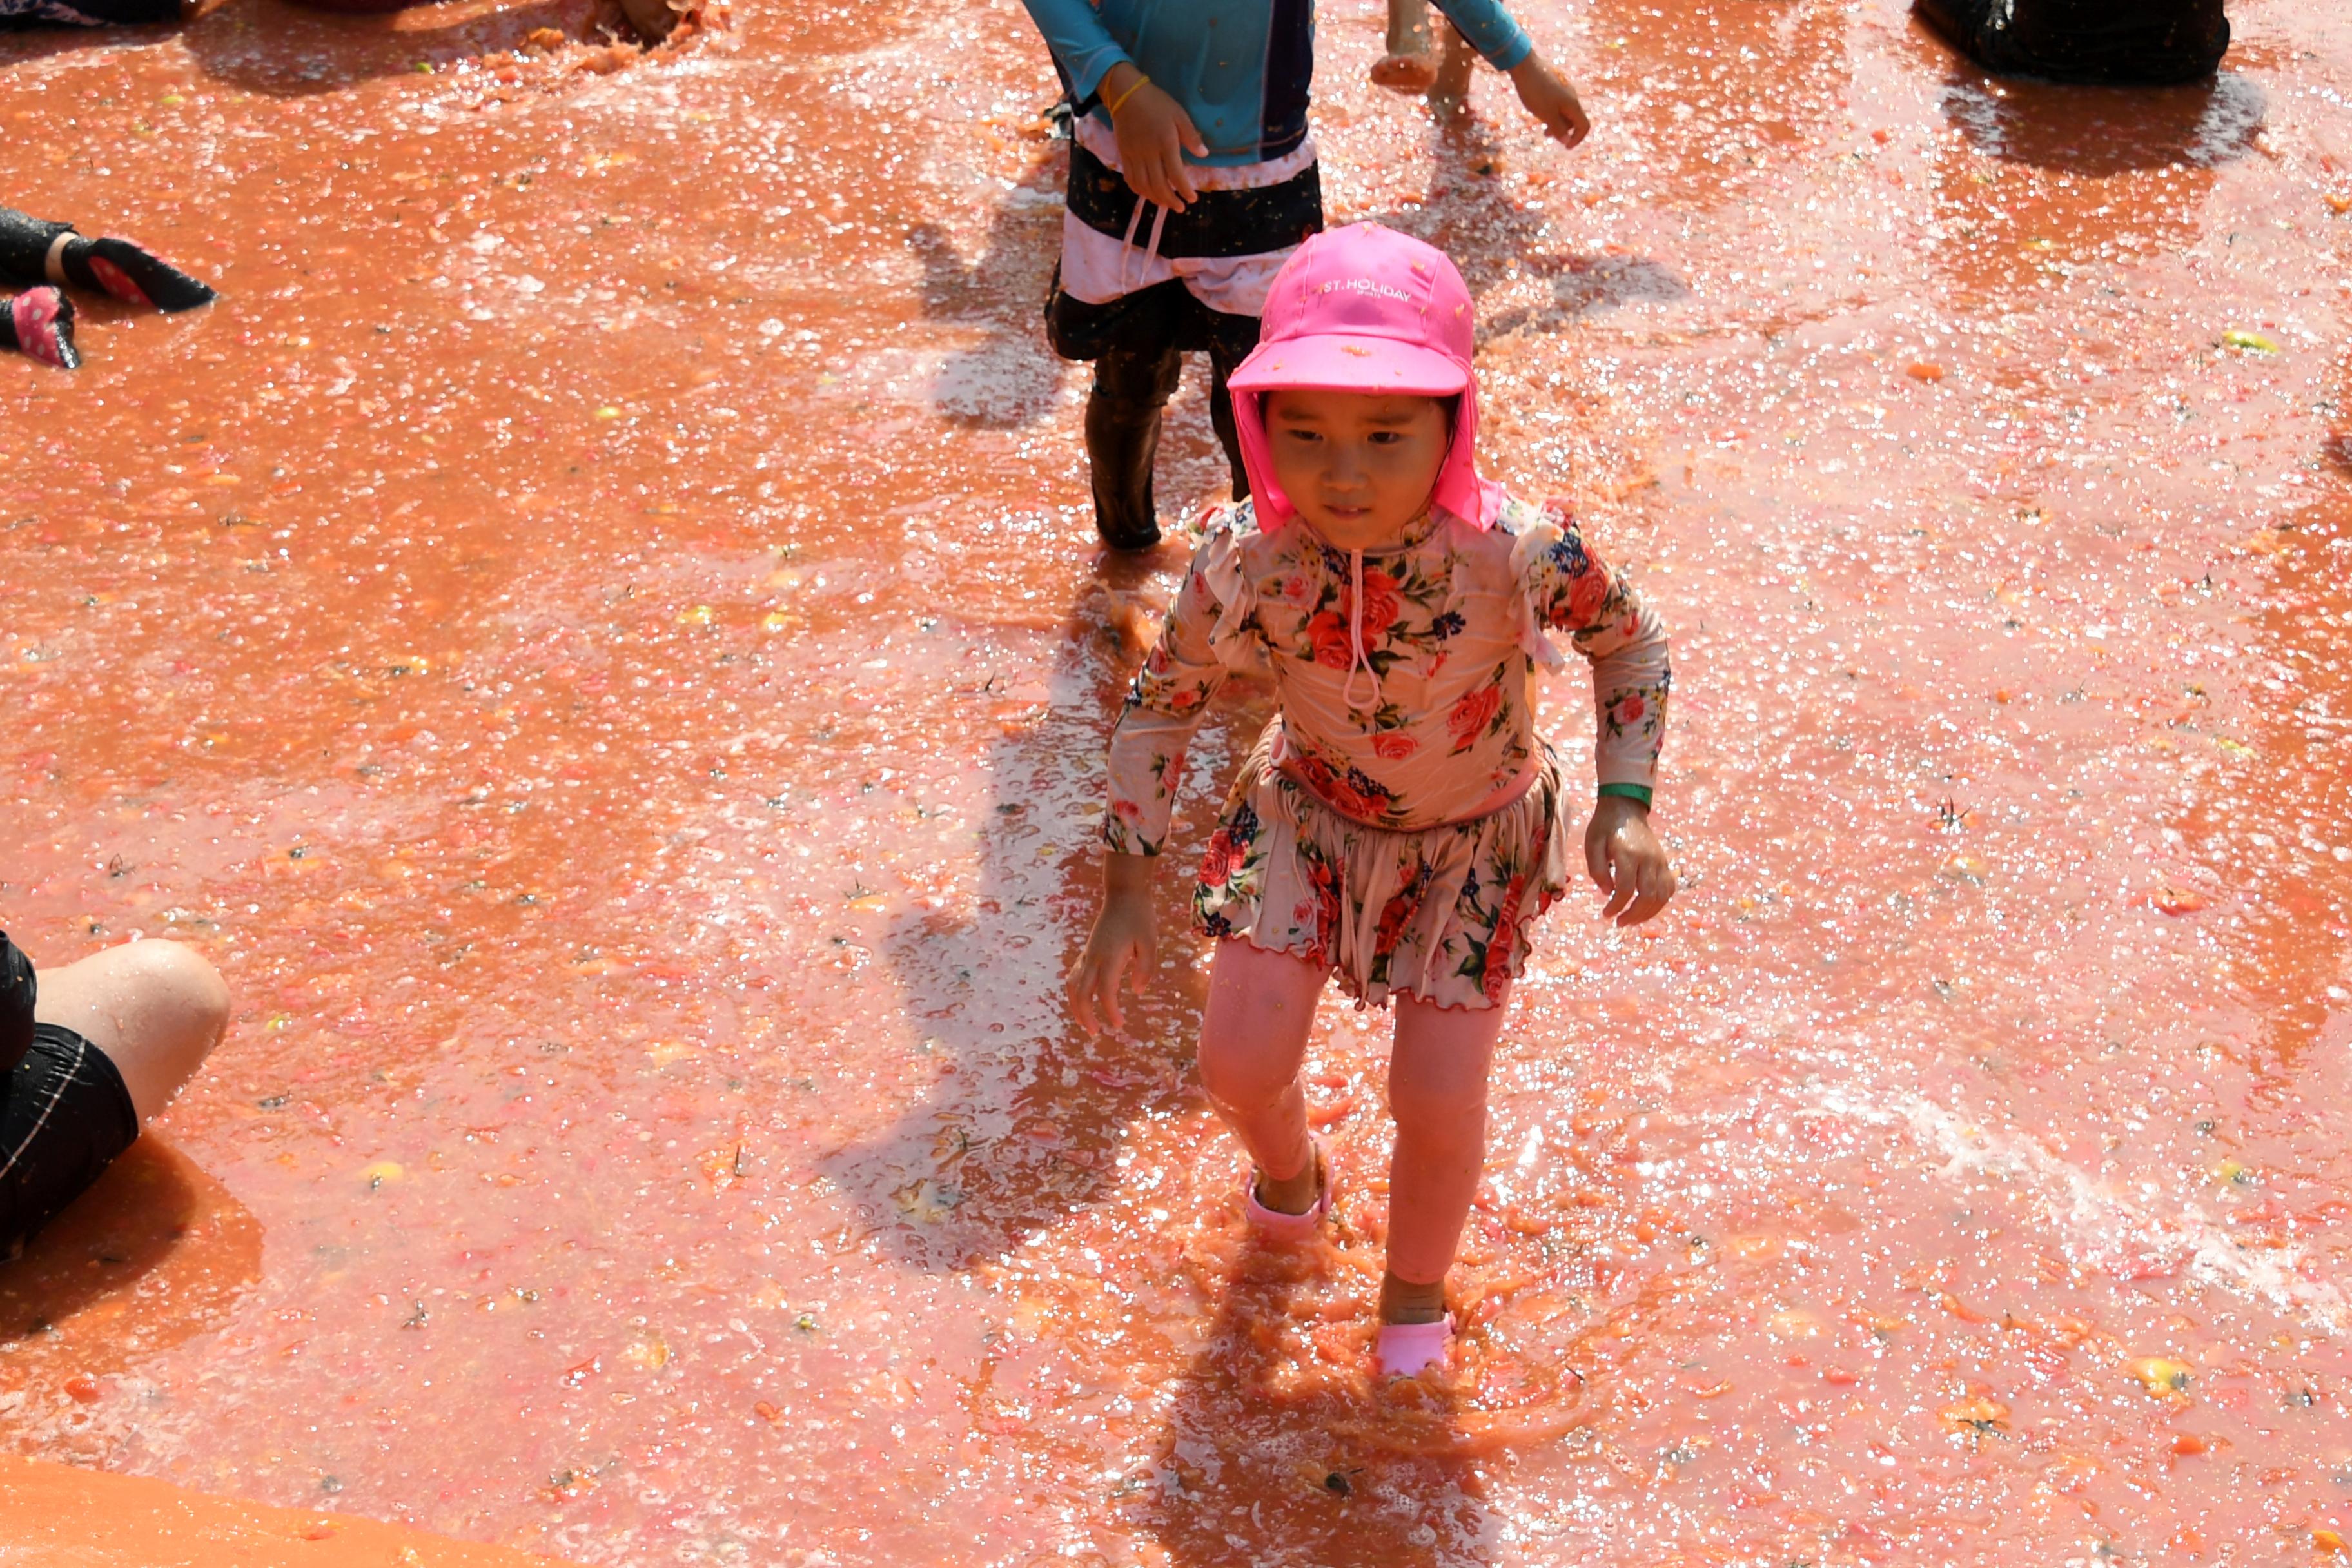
column 1551, row 101
column 1627, row 861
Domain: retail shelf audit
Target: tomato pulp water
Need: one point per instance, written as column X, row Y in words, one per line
column 598, row 635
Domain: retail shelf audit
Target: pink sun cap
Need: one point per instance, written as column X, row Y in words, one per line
column 1365, row 309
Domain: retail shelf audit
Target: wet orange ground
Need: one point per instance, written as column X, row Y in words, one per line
column 598, row 635
column 71, row 1516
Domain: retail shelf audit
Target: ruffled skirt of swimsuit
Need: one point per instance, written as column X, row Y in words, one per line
column 1444, row 914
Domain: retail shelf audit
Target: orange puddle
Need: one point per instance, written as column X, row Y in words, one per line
column 55, row 1514
column 598, row 635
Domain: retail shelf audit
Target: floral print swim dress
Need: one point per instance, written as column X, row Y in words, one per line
column 1399, row 820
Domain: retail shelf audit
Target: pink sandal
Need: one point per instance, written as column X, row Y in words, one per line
column 1275, row 1226
column 1406, row 1350
column 44, row 321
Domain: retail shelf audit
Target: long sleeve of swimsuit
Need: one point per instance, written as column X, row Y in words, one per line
column 1411, row 709
column 1164, row 706
column 1569, row 588
column 1082, row 45
column 1240, row 70
column 1490, row 29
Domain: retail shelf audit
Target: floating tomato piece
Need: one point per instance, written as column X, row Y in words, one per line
column 2160, row 1375
column 1979, row 1416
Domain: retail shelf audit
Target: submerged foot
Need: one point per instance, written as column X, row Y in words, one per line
column 1415, row 1327
column 1410, row 74
column 1403, row 1301
column 1449, row 93
column 1291, row 1209
column 1292, row 1194
column 1408, row 67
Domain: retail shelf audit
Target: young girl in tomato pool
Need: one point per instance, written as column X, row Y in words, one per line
column 1399, row 826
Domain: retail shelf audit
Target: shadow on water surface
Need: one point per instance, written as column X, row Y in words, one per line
column 1025, row 1122
column 1498, row 241
column 2044, row 176
column 1010, row 378
column 1279, row 1450
column 286, row 51
column 2098, row 132
column 156, row 1253
column 1280, row 1446
column 24, row 42
column 2291, row 793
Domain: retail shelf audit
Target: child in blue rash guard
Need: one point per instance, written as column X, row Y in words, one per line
column 1193, row 178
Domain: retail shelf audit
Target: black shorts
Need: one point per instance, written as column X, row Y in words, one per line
column 1149, row 323
column 66, row 1117
column 1253, row 222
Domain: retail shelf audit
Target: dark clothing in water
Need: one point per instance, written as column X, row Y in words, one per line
column 65, row 1113
column 1138, row 345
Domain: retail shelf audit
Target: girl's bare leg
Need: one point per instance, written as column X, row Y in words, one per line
column 1438, row 1093
column 1252, row 1037
column 1408, row 67
column 156, row 1009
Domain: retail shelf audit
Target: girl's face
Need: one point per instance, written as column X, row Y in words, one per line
column 1358, row 466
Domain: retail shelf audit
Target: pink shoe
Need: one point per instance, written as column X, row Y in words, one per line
column 43, row 320
column 1405, row 1350
column 1275, row 1226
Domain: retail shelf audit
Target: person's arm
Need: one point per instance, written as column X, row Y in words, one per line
column 1491, row 31
column 1577, row 592
column 1164, row 707
column 18, row 991
column 1153, row 131
column 1543, row 92
column 1075, row 32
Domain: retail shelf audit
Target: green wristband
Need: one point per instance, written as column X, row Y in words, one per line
column 1627, row 792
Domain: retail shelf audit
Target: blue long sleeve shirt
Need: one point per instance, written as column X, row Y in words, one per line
column 1241, row 68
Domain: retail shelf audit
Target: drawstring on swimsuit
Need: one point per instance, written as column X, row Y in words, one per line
column 1357, row 656
column 1151, row 251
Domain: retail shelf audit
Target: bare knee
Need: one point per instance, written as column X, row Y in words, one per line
column 155, row 1008
column 1242, row 1074
column 176, row 983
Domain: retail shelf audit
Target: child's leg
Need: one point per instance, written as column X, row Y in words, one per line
column 1131, row 387
column 1407, row 67
column 155, row 1008
column 1231, row 339
column 1438, row 1093
column 1252, row 1037
column 1449, row 94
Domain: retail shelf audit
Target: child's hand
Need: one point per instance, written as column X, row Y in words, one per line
column 1123, row 935
column 1549, row 98
column 1627, row 861
column 1154, row 134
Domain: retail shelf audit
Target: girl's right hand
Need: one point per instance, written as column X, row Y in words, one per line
column 1154, row 134
column 1123, row 937
column 1544, row 94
